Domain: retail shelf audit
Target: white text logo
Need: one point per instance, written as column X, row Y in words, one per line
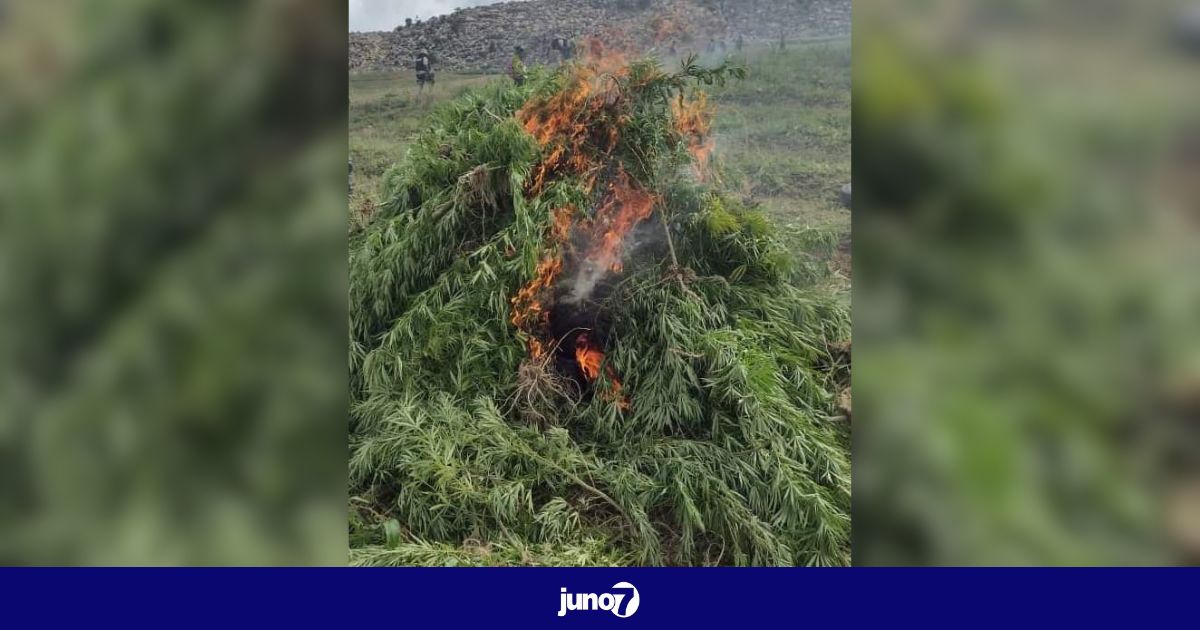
column 623, row 602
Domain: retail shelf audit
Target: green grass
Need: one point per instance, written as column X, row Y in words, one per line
column 783, row 134
column 784, row 138
column 385, row 115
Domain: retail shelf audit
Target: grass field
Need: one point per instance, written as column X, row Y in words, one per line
column 783, row 135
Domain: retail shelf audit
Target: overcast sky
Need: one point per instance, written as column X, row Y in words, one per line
column 385, row 15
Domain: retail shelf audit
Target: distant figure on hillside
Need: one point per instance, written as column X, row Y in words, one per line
column 674, row 49
column 722, row 46
column 564, row 46
column 516, row 69
column 782, row 42
column 424, row 68
column 712, row 46
column 741, row 42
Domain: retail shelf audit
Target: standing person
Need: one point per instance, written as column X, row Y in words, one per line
column 516, row 69
column 563, row 46
column 425, row 75
column 741, row 42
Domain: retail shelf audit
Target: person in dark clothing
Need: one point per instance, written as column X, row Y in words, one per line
column 424, row 68
column 741, row 43
column 563, row 46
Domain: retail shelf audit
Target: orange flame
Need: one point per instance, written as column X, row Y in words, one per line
column 693, row 121
column 590, row 358
column 529, row 311
column 578, row 128
column 609, row 51
column 572, row 126
column 625, row 207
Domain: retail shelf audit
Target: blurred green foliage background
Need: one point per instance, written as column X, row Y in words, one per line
column 1027, row 366
column 172, row 282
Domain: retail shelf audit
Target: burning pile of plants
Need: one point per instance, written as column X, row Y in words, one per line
column 569, row 347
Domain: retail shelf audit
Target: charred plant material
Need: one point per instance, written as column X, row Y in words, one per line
column 543, row 396
column 544, row 370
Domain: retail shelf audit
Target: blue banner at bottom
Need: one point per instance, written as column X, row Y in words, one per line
column 664, row 598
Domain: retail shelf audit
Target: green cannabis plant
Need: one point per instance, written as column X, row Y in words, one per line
column 569, row 346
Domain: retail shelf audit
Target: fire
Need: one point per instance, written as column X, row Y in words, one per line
column 590, row 359
column 625, row 207
column 693, row 121
column 529, row 311
column 579, row 128
column 608, row 52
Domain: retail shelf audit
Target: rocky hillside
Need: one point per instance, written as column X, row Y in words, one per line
column 482, row 38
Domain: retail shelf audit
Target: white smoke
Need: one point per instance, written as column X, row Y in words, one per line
column 584, row 281
column 592, row 272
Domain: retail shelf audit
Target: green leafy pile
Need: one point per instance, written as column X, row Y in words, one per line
column 721, row 444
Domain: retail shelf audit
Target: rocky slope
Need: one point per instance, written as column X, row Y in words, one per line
column 482, row 38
